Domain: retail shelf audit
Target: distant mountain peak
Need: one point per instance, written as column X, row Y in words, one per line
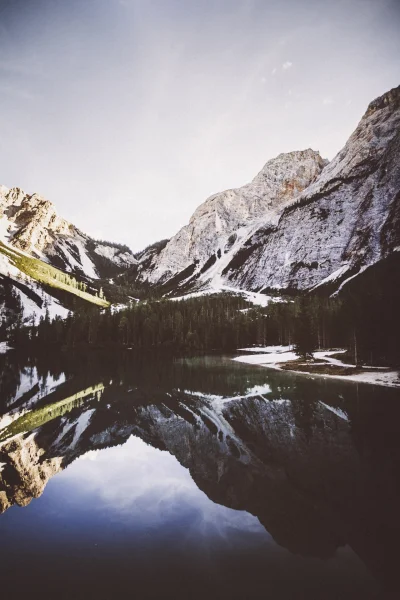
column 299, row 221
column 226, row 219
column 31, row 223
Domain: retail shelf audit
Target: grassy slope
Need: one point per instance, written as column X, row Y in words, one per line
column 45, row 273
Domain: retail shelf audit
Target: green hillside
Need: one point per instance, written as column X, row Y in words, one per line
column 46, row 274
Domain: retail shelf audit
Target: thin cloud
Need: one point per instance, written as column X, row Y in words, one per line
column 287, row 65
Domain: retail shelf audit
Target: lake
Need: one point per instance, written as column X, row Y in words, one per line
column 125, row 476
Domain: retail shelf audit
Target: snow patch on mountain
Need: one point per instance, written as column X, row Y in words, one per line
column 252, row 297
column 334, row 276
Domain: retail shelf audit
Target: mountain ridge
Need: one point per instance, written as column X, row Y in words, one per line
column 228, row 217
column 351, row 199
column 302, row 223
column 31, row 223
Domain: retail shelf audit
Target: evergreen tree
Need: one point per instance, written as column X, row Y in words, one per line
column 304, row 337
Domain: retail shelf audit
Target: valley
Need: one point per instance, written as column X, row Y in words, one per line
column 309, row 249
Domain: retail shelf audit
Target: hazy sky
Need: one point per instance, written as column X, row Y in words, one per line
column 127, row 114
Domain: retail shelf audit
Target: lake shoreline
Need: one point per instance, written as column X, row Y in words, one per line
column 281, row 358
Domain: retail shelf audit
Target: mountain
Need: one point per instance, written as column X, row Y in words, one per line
column 225, row 221
column 31, row 224
column 347, row 220
column 300, row 223
column 46, row 262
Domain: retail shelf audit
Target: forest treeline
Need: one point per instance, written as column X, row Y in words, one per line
column 364, row 318
column 225, row 323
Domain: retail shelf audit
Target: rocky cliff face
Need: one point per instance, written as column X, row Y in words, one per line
column 300, row 222
column 348, row 219
column 224, row 221
column 31, row 223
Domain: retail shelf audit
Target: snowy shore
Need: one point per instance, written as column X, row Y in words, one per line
column 274, row 357
column 4, row 347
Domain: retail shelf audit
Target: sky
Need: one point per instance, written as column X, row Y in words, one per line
column 127, row 114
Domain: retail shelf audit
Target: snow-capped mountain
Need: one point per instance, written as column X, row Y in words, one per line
column 300, row 223
column 345, row 221
column 31, row 224
column 223, row 223
column 40, row 255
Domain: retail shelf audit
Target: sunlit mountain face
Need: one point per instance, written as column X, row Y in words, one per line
column 195, row 464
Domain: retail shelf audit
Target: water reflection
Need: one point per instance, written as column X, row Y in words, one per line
column 312, row 466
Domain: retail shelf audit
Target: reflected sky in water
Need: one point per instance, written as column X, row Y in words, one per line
column 147, row 489
column 199, row 478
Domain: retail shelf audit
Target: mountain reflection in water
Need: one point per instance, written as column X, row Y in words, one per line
column 195, row 477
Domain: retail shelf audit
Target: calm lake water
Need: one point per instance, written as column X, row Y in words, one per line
column 138, row 477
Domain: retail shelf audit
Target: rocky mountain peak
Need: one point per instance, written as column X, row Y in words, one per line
column 300, row 222
column 390, row 100
column 223, row 219
column 12, row 196
column 31, row 223
column 291, row 165
column 289, row 174
column 345, row 221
